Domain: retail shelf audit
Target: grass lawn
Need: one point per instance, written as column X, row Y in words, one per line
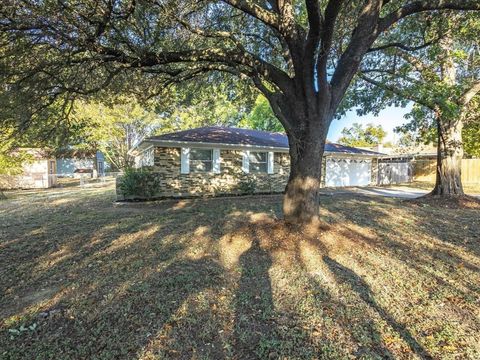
column 468, row 188
column 84, row 278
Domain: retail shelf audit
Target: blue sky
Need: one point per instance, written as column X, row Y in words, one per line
column 389, row 119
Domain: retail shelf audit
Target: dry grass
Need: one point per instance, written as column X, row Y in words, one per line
column 83, row 277
column 468, row 188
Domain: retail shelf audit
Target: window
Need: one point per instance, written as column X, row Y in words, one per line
column 201, row 160
column 258, row 162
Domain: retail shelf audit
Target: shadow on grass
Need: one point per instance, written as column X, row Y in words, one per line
column 151, row 281
column 359, row 286
column 254, row 310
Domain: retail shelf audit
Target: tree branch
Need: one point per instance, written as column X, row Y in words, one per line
column 247, row 6
column 328, row 26
column 362, row 38
column 311, row 42
column 395, row 90
column 468, row 95
column 427, row 5
column 403, row 46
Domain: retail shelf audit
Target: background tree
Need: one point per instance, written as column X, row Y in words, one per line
column 261, row 117
column 204, row 103
column 471, row 139
column 471, row 130
column 442, row 79
column 301, row 56
column 11, row 161
column 356, row 135
column 115, row 128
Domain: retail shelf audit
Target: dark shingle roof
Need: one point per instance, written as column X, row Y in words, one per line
column 237, row 136
column 332, row 147
column 227, row 135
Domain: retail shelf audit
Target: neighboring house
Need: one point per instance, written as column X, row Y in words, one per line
column 403, row 164
column 39, row 173
column 225, row 160
column 420, row 150
column 77, row 163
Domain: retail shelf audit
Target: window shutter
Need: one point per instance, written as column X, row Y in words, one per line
column 270, row 162
column 246, row 161
column 216, row 161
column 185, row 161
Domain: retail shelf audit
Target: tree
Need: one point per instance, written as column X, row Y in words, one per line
column 356, row 135
column 11, row 161
column 261, row 117
column 442, row 80
column 199, row 104
column 115, row 128
column 301, row 56
column 471, row 136
column 471, row 130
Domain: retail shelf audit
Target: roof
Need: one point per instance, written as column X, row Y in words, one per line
column 227, row 135
column 232, row 136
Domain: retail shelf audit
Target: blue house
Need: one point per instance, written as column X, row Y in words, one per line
column 77, row 163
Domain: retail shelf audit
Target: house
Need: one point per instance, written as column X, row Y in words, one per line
column 81, row 163
column 403, row 164
column 227, row 160
column 39, row 172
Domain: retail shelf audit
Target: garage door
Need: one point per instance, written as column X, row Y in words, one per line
column 348, row 172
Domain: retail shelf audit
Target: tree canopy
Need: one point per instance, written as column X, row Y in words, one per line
column 261, row 117
column 115, row 128
column 357, row 135
column 438, row 70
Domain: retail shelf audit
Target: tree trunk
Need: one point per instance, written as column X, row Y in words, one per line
column 449, row 158
column 2, row 195
column 301, row 201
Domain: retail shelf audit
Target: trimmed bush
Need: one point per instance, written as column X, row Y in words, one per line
column 247, row 186
column 139, row 183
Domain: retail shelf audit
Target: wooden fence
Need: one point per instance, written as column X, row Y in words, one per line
column 424, row 170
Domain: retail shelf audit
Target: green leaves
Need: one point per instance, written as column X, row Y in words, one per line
column 358, row 136
column 262, row 117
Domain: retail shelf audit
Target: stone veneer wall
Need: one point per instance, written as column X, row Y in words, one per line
column 228, row 181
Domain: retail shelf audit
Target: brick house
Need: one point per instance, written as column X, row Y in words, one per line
column 226, row 160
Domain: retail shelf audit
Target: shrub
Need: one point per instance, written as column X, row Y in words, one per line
column 247, row 186
column 142, row 183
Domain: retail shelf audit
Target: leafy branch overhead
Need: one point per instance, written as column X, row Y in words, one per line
column 356, row 135
column 283, row 47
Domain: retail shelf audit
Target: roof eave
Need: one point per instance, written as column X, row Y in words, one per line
column 199, row 144
column 338, row 153
column 147, row 143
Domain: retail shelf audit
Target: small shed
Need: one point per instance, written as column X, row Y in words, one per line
column 39, row 172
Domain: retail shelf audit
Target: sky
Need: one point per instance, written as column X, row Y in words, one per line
column 389, row 118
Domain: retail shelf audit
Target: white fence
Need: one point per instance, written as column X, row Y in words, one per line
column 395, row 172
column 44, row 181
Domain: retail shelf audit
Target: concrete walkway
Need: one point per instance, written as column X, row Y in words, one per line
column 400, row 192
column 397, row 192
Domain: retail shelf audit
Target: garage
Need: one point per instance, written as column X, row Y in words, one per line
column 348, row 172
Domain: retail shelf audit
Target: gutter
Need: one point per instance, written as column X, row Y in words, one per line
column 148, row 143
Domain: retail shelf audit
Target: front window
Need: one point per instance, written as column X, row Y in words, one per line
column 258, row 162
column 201, row 160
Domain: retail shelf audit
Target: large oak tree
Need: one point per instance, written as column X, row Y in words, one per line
column 439, row 70
column 301, row 55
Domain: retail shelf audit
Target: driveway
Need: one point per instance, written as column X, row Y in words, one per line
column 397, row 192
column 400, row 192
